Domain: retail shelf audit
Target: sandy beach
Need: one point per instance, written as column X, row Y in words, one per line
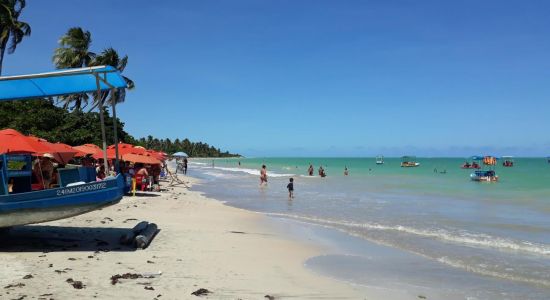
column 201, row 244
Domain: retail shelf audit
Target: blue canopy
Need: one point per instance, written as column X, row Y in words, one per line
column 58, row 83
column 180, row 154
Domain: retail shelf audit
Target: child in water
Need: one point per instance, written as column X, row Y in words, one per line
column 290, row 187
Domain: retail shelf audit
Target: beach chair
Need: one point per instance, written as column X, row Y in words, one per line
column 174, row 180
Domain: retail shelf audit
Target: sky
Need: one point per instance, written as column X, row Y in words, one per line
column 320, row 78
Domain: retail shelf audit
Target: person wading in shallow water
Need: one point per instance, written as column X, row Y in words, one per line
column 322, row 172
column 310, row 170
column 185, row 165
column 290, row 187
column 263, row 175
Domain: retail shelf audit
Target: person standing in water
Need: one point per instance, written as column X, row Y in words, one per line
column 322, row 172
column 346, row 173
column 290, row 187
column 185, row 166
column 310, row 170
column 263, row 175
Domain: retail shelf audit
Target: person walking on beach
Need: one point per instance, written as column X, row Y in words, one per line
column 185, row 166
column 290, row 187
column 263, row 175
column 310, row 170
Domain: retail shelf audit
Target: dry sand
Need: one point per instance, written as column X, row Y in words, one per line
column 201, row 244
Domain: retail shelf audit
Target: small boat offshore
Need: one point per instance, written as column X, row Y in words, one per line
column 409, row 161
column 488, row 175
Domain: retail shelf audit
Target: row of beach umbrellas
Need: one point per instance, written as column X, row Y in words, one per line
column 12, row 141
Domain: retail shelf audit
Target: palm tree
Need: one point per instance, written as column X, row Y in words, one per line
column 110, row 57
column 74, row 53
column 12, row 31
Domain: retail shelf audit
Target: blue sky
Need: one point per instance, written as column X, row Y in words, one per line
column 338, row 78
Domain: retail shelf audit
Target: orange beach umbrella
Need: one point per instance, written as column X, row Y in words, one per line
column 140, row 158
column 12, row 141
column 156, row 154
column 63, row 153
column 88, row 149
column 123, row 149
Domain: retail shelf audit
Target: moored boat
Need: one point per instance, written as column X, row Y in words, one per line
column 409, row 161
column 488, row 175
column 507, row 161
column 474, row 164
column 380, row 160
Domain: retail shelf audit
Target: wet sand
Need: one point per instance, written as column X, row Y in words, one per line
column 202, row 244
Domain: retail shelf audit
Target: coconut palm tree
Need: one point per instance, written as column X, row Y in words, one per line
column 73, row 52
column 12, row 31
column 110, row 57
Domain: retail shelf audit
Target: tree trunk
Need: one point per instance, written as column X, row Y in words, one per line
column 3, row 45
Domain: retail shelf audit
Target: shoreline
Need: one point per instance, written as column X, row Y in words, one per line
column 202, row 243
column 424, row 258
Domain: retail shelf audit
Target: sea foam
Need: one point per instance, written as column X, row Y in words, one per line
column 461, row 237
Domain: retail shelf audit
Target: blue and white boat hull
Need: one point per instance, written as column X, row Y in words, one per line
column 59, row 203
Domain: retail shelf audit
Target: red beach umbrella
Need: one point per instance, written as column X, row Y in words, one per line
column 123, row 149
column 140, row 158
column 63, row 152
column 12, row 141
column 88, row 149
column 157, row 155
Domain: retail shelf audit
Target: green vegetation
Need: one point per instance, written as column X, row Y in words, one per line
column 44, row 119
column 12, row 31
column 192, row 149
column 68, row 123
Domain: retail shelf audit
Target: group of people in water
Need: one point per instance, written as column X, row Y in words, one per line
column 290, row 186
column 321, row 171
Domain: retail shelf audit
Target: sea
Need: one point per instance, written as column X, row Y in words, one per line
column 428, row 230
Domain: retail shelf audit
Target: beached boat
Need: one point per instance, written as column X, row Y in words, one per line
column 22, row 203
column 507, row 161
column 380, row 160
column 488, row 175
column 409, row 161
column 78, row 192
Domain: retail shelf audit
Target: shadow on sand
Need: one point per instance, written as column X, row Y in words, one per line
column 43, row 238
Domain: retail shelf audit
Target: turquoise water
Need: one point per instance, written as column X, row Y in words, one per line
column 499, row 231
